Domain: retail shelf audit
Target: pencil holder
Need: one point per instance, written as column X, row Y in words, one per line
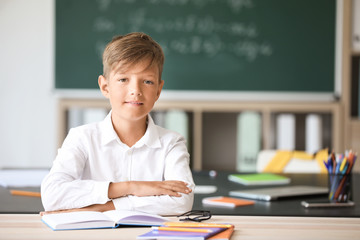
column 339, row 187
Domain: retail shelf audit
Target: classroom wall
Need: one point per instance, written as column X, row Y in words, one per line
column 27, row 102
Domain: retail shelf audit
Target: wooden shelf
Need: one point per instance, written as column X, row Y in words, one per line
column 198, row 109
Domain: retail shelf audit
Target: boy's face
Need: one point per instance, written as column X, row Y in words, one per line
column 132, row 91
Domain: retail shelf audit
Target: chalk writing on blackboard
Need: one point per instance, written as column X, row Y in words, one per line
column 197, row 32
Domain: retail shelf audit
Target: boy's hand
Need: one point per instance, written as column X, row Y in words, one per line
column 171, row 188
column 149, row 188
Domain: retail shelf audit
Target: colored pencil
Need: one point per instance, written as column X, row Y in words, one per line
column 25, row 193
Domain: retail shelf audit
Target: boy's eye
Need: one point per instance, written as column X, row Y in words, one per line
column 122, row 80
column 148, row 82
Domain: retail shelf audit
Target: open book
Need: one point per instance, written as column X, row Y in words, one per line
column 108, row 219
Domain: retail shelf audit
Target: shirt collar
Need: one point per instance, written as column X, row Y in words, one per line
column 108, row 133
column 150, row 138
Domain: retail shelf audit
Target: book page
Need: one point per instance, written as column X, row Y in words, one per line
column 80, row 219
column 134, row 217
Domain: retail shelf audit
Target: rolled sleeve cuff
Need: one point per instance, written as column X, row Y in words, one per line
column 101, row 192
column 122, row 203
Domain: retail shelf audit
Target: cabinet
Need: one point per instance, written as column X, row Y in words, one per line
column 351, row 127
column 202, row 112
column 354, row 114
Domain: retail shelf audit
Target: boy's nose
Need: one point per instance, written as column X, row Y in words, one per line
column 135, row 93
column 135, row 90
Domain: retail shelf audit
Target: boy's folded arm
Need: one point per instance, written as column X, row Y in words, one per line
column 162, row 205
column 176, row 169
column 63, row 188
column 148, row 188
column 59, row 194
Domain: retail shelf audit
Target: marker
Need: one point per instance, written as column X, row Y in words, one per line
column 179, row 229
column 25, row 193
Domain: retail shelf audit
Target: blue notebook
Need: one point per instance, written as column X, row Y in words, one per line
column 161, row 234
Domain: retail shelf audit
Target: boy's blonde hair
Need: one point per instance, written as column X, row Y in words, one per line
column 130, row 49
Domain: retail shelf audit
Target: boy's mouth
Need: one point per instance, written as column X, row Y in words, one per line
column 134, row 103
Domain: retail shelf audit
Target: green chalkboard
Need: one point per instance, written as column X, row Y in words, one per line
column 231, row 45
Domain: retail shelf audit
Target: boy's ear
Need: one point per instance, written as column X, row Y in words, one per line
column 103, row 85
column 160, row 88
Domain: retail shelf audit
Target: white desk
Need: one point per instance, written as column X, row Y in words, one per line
column 29, row 226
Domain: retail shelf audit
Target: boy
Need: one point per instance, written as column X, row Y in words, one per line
column 125, row 161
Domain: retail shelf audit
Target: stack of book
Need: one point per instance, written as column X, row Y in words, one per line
column 190, row 230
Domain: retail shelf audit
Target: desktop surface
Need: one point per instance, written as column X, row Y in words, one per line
column 281, row 207
column 30, row 226
column 19, row 204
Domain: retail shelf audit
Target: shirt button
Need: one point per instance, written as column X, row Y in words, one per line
column 129, row 152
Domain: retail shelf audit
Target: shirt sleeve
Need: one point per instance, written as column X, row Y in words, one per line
column 63, row 188
column 176, row 168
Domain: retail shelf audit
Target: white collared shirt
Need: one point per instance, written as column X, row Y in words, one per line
column 92, row 156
